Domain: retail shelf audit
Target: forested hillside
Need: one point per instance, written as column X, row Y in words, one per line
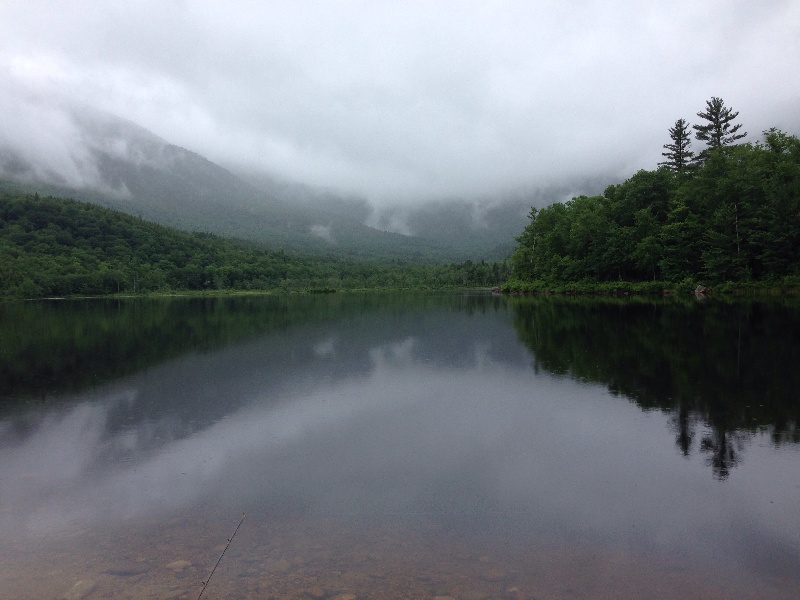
column 127, row 168
column 56, row 246
column 729, row 214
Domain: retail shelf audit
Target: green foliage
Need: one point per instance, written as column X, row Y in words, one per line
column 735, row 218
column 58, row 247
column 718, row 132
column 679, row 157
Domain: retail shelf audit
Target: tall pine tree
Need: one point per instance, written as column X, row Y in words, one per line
column 679, row 157
column 718, row 131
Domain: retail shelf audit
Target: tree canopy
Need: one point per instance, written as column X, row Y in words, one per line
column 718, row 131
column 679, row 157
column 57, row 246
column 735, row 218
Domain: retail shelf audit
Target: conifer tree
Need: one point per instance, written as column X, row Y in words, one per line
column 718, row 131
column 679, row 157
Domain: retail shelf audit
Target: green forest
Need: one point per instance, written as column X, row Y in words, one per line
column 726, row 215
column 730, row 213
column 59, row 247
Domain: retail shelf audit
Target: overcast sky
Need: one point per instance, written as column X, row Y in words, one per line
column 399, row 101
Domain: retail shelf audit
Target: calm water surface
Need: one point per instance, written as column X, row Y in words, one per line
column 399, row 446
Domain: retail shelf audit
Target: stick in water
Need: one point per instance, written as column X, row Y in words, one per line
column 230, row 539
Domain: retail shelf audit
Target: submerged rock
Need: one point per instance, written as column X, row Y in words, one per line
column 281, row 566
column 178, row 565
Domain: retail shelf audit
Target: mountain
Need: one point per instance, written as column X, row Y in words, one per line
column 103, row 159
column 120, row 165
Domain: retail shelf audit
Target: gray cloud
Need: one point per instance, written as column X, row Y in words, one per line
column 399, row 101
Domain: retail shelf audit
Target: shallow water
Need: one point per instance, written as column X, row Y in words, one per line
column 399, row 446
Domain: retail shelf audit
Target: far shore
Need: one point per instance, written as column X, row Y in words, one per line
column 619, row 289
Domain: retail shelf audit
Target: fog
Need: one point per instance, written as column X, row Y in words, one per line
column 396, row 102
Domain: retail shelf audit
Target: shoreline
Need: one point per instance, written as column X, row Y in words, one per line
column 654, row 289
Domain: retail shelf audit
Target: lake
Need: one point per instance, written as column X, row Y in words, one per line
column 397, row 445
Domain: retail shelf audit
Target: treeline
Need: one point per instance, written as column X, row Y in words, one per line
column 56, row 247
column 729, row 214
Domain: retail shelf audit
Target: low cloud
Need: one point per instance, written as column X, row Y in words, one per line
column 41, row 141
column 323, row 231
column 397, row 104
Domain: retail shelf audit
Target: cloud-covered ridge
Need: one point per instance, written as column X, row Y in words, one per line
column 397, row 102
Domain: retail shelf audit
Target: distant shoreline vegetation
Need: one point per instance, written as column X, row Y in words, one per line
column 728, row 218
column 786, row 286
column 53, row 247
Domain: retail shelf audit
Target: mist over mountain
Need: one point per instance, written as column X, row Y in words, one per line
column 104, row 159
column 116, row 163
column 386, row 109
column 482, row 228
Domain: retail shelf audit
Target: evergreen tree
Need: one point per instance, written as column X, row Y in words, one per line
column 736, row 219
column 679, row 157
column 718, row 131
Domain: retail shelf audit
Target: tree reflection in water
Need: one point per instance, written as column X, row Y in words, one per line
column 726, row 367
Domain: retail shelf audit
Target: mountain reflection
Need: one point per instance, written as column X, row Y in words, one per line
column 52, row 348
column 728, row 369
column 413, row 404
column 239, row 419
column 417, row 410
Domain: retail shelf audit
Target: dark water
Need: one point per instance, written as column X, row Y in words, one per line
column 399, row 446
